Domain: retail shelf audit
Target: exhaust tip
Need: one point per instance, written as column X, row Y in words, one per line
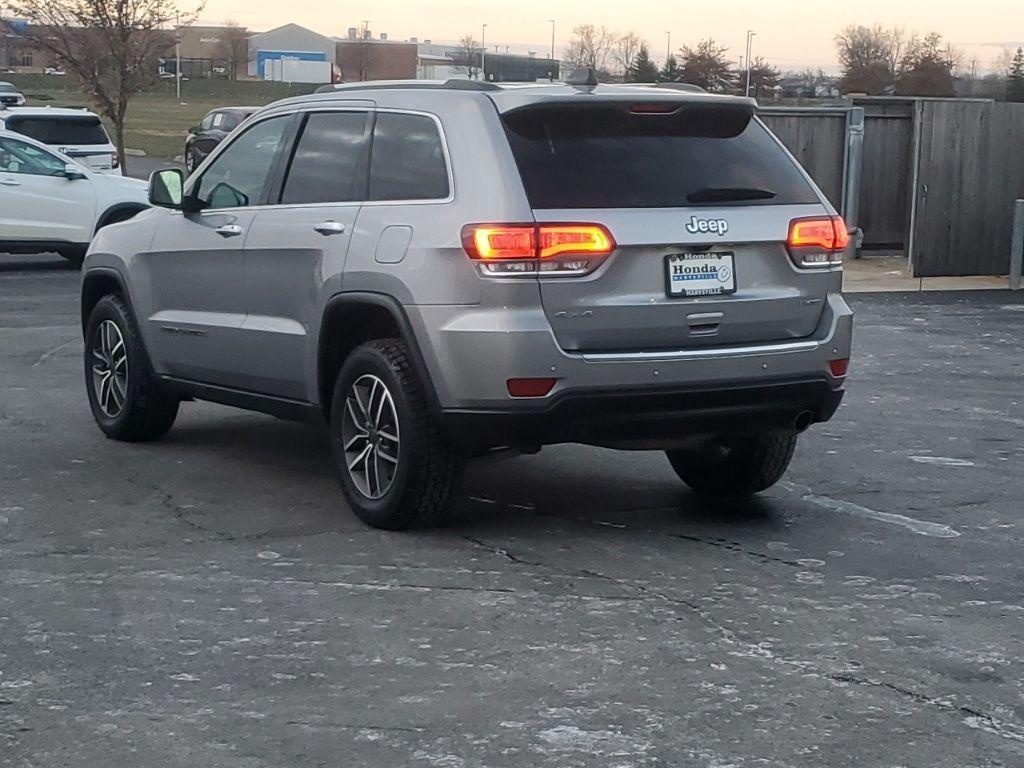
column 803, row 420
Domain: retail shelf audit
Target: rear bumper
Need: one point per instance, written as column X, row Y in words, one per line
column 649, row 419
column 471, row 352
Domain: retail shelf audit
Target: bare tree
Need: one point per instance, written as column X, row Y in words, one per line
column 109, row 47
column 625, row 50
column 467, row 56
column 869, row 58
column 590, row 46
column 927, row 68
column 234, row 48
column 365, row 54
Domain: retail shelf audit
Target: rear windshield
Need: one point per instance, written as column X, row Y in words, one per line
column 611, row 157
column 60, row 130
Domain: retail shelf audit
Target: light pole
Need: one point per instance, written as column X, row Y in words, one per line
column 177, row 57
column 483, row 51
column 668, row 47
column 750, row 44
column 552, row 39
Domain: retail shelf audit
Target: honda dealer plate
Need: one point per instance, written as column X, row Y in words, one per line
column 700, row 274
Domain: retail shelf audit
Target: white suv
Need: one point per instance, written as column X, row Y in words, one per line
column 77, row 133
column 48, row 202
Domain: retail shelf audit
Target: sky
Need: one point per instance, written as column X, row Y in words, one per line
column 792, row 34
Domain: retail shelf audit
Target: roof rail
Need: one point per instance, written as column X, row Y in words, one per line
column 456, row 84
column 419, row 85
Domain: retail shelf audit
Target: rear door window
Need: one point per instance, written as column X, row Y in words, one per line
column 86, row 129
column 329, row 163
column 408, row 160
column 611, row 156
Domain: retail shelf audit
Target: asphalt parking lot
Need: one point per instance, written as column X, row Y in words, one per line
column 209, row 601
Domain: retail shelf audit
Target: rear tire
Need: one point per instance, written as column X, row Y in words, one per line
column 396, row 468
column 734, row 466
column 126, row 398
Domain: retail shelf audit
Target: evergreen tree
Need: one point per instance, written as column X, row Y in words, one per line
column 708, row 66
column 671, row 72
column 642, row 69
column 1015, row 82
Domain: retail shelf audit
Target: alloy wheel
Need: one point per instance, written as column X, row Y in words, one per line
column 370, row 436
column 109, row 369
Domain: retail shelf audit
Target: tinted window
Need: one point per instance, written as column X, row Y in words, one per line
column 238, row 176
column 19, row 157
column 408, row 159
column 7, row 88
column 232, row 120
column 328, row 163
column 609, row 157
column 61, row 130
column 208, row 121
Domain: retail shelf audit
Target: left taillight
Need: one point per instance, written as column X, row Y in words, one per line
column 556, row 250
column 818, row 241
column 115, row 163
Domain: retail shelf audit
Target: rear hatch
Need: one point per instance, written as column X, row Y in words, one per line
column 698, row 197
column 81, row 137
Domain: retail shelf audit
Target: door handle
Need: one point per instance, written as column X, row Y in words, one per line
column 329, row 227
column 10, row 182
column 229, row 230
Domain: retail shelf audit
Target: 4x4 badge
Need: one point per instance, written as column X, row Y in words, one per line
column 704, row 226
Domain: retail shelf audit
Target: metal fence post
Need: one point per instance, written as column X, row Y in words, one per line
column 1017, row 247
column 854, row 163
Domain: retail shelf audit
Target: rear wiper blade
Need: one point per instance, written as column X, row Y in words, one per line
column 728, row 194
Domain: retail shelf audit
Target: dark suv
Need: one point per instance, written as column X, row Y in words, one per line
column 214, row 128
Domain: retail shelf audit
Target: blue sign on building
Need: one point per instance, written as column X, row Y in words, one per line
column 262, row 57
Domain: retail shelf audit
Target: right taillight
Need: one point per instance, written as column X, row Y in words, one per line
column 555, row 250
column 817, row 241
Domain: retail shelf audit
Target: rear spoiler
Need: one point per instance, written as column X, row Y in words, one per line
column 674, row 114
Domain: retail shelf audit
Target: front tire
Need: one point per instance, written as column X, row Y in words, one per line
column 734, row 466
column 395, row 465
column 124, row 395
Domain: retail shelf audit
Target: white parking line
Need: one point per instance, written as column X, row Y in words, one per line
column 921, row 527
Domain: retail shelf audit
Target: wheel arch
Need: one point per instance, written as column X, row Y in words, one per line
column 97, row 283
column 104, row 218
column 353, row 318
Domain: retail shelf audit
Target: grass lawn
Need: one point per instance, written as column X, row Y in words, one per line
column 157, row 121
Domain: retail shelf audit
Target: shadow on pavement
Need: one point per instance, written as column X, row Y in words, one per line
column 35, row 263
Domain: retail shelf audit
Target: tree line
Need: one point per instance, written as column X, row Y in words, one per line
column 873, row 60
column 627, row 58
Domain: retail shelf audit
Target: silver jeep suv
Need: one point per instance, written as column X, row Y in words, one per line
column 443, row 270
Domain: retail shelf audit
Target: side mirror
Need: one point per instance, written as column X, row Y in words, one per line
column 72, row 172
column 165, row 188
column 194, row 130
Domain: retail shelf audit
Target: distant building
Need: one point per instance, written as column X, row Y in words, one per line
column 17, row 51
column 443, row 62
column 288, row 42
column 209, row 51
column 361, row 56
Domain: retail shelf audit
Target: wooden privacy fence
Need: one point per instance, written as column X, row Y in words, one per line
column 934, row 179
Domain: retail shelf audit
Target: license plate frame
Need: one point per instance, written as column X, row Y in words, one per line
column 719, row 281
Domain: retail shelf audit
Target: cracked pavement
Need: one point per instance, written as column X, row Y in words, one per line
column 208, row 600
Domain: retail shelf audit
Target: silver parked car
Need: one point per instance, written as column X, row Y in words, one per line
column 441, row 270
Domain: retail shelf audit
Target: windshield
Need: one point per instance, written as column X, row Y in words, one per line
column 7, row 88
column 611, row 157
column 60, row 130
